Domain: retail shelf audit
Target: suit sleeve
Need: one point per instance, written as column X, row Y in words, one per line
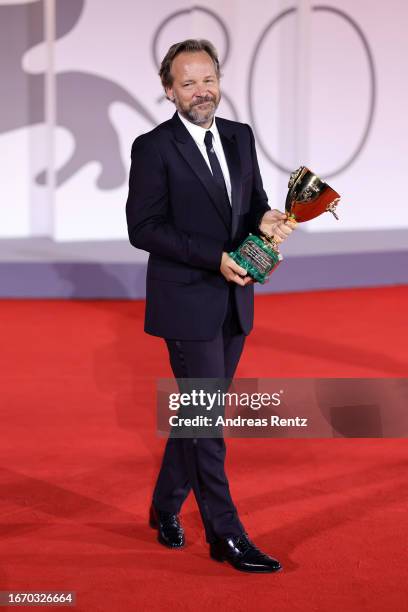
column 259, row 199
column 148, row 214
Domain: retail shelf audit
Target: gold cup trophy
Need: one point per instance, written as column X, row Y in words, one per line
column 308, row 197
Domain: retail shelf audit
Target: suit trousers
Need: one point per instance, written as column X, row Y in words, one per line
column 198, row 463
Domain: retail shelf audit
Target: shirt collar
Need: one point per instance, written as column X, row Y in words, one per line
column 197, row 132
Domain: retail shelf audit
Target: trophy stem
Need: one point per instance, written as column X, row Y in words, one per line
column 269, row 240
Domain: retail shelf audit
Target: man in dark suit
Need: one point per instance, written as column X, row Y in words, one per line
column 195, row 192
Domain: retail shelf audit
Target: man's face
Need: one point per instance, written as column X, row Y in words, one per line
column 196, row 89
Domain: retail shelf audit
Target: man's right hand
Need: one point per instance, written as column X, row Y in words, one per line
column 234, row 273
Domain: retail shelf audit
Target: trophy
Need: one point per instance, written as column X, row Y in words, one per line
column 308, row 197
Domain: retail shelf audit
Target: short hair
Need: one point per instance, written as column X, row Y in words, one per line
column 191, row 45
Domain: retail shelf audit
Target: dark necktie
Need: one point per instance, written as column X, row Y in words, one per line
column 216, row 168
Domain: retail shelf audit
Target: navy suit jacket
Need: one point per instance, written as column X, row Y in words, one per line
column 176, row 212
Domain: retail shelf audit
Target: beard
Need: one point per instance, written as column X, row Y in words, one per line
column 194, row 113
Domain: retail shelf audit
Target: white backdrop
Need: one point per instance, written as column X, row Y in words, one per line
column 304, row 77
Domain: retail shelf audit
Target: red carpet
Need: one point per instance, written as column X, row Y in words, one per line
column 79, row 456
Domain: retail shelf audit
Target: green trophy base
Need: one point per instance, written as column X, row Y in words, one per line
column 257, row 257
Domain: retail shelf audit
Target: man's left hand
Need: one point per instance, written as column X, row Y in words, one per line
column 276, row 224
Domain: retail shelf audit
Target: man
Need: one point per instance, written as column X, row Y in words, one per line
column 195, row 192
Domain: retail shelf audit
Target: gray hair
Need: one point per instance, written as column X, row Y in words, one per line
column 191, row 45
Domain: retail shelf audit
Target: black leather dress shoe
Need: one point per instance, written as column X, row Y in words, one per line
column 169, row 531
column 243, row 555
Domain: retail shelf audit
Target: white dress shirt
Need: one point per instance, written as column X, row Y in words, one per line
column 198, row 134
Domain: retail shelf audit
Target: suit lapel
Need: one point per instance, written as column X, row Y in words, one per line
column 230, row 147
column 195, row 160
